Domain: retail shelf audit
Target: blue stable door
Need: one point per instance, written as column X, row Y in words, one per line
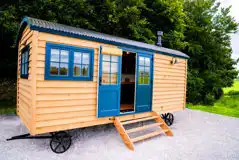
column 144, row 82
column 109, row 85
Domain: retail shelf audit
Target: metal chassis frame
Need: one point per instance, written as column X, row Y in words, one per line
column 28, row 136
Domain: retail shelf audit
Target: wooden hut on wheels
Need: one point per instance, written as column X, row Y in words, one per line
column 70, row 78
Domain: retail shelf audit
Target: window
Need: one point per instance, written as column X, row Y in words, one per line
column 81, row 64
column 110, row 69
column 144, row 70
column 68, row 62
column 25, row 62
column 59, row 62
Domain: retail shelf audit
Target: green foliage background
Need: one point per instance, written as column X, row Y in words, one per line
column 200, row 28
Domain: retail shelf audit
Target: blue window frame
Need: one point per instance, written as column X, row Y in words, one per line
column 68, row 62
column 110, row 69
column 25, row 62
column 144, row 70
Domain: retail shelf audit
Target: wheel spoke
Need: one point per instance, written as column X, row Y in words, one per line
column 60, row 142
column 57, row 146
column 64, row 147
column 167, row 121
column 167, row 115
column 55, row 140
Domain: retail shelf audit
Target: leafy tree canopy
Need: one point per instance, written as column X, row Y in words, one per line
column 207, row 35
column 199, row 28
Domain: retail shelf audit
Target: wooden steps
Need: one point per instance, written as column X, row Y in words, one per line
column 143, row 127
column 155, row 133
column 124, row 136
column 162, row 128
column 138, row 120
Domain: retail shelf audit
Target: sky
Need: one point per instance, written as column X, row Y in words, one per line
column 234, row 37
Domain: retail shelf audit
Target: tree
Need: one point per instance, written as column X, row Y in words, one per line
column 167, row 16
column 197, row 27
column 208, row 36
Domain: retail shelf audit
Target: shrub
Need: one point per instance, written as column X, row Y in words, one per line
column 218, row 93
column 209, row 99
column 8, row 90
column 233, row 93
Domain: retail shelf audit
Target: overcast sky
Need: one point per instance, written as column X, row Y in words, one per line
column 235, row 14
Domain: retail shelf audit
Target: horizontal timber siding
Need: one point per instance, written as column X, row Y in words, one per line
column 24, row 86
column 169, row 88
column 60, row 104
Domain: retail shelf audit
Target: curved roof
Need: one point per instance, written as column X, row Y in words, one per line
column 64, row 30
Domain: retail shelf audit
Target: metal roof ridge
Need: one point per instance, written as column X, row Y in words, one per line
column 48, row 26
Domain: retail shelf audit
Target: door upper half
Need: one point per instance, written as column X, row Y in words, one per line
column 144, row 82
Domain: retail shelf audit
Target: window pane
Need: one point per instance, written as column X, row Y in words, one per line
column 55, row 55
column 86, row 59
column 141, row 75
column 106, row 67
column 105, row 78
column 106, row 57
column 23, row 58
column 77, row 70
column 26, row 56
column 141, row 71
column 114, row 67
column 141, row 80
column 77, row 57
column 147, row 62
column 141, row 60
column 147, row 71
column 22, row 69
column 64, row 56
column 114, row 58
column 114, row 78
column 85, row 69
column 146, row 79
column 63, row 69
column 54, row 68
column 26, row 68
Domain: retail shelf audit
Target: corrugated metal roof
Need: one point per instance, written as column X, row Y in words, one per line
column 55, row 28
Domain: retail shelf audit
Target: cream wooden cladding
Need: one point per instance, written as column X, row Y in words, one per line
column 62, row 105
column 111, row 51
column 169, row 92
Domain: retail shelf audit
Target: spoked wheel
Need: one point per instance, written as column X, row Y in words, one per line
column 60, row 142
column 168, row 118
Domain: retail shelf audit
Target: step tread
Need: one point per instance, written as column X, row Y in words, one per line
column 149, row 135
column 142, row 127
column 139, row 120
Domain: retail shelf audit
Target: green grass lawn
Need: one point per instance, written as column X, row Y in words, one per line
column 235, row 87
column 7, row 107
column 228, row 105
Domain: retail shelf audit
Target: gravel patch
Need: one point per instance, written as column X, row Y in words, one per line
column 197, row 136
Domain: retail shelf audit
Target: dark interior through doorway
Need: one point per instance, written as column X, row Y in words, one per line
column 127, row 100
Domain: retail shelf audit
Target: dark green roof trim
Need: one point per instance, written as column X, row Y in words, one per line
column 59, row 29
